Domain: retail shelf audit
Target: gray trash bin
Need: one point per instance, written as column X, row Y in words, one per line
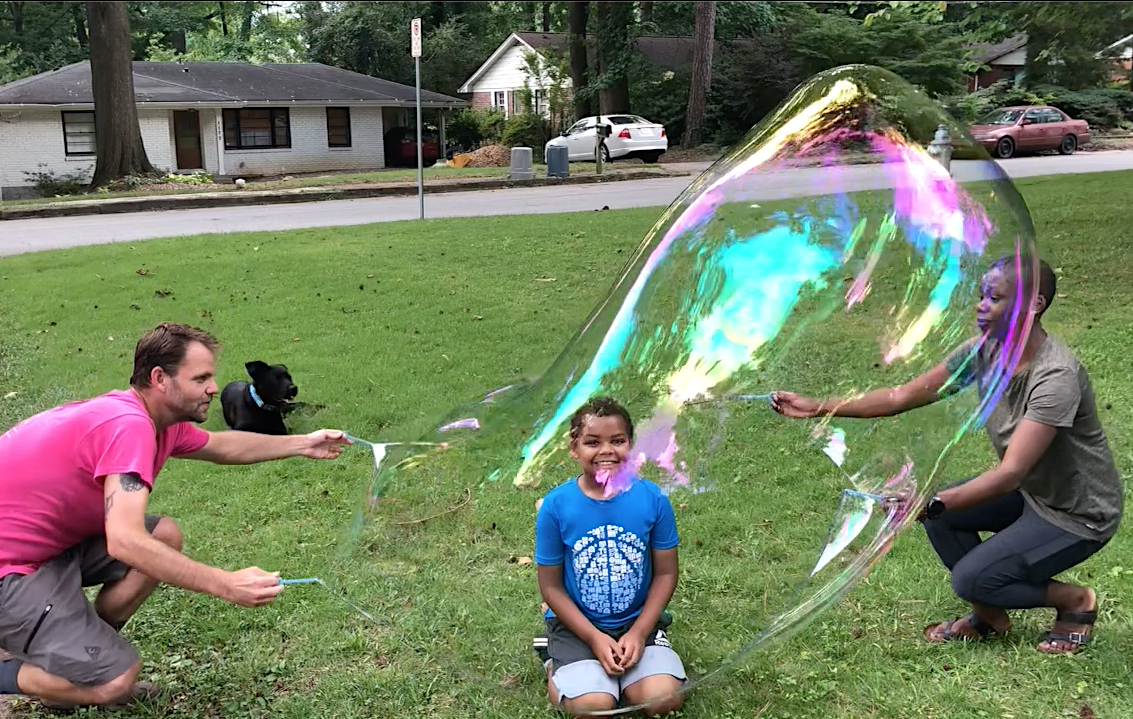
column 521, row 167
column 557, row 164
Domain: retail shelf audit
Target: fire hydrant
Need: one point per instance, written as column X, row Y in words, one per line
column 941, row 147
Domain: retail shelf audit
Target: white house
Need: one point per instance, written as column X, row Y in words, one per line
column 1122, row 54
column 498, row 82
column 229, row 118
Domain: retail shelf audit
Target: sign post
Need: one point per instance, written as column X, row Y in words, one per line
column 415, row 49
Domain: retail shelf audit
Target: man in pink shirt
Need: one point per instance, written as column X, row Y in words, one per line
column 74, row 485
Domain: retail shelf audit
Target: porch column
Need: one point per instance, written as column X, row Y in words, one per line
column 220, row 142
column 444, row 114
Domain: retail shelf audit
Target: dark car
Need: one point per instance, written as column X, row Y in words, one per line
column 401, row 147
column 1029, row 128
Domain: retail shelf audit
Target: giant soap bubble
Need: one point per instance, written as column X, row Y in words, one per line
column 827, row 253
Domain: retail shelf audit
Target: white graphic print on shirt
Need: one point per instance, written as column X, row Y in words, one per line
column 609, row 564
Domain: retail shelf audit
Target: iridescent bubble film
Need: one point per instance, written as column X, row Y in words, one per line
column 828, row 253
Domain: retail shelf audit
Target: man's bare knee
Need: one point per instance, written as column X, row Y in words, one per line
column 168, row 531
column 118, row 687
column 586, row 704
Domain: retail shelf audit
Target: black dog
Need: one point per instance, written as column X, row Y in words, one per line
column 259, row 405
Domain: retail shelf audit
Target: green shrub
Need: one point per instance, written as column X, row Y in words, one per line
column 527, row 130
column 1103, row 108
column 200, row 177
column 49, row 184
column 474, row 126
column 969, row 107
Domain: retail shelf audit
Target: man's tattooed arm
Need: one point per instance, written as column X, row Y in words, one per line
column 131, row 482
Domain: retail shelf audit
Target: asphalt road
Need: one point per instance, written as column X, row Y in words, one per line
column 17, row 236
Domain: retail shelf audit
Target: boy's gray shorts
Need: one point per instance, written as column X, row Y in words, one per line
column 576, row 671
column 46, row 619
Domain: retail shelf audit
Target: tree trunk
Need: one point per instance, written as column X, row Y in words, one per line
column 614, row 19
column 579, row 14
column 223, row 19
column 646, row 8
column 546, row 16
column 1036, row 71
column 249, row 14
column 80, row 25
column 17, row 11
column 119, row 150
column 179, row 41
column 529, row 15
column 704, row 34
column 438, row 12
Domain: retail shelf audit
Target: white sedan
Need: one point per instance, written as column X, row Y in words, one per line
column 630, row 136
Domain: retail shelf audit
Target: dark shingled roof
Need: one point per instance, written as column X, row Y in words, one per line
column 224, row 82
column 665, row 51
column 985, row 52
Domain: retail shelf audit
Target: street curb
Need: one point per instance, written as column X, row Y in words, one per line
column 305, row 194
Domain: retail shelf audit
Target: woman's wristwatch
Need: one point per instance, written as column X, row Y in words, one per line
column 934, row 508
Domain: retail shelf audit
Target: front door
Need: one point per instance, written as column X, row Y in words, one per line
column 187, row 139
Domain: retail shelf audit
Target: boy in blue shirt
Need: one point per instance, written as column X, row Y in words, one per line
column 607, row 568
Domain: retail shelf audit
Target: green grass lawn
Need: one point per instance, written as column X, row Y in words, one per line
column 396, row 175
column 391, row 325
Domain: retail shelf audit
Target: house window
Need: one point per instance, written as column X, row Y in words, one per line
column 499, row 101
column 338, row 127
column 259, row 127
column 78, row 133
column 541, row 102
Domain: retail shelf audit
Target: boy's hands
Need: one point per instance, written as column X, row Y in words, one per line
column 609, row 653
column 631, row 645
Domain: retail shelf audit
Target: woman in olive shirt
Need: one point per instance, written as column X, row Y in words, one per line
column 1054, row 499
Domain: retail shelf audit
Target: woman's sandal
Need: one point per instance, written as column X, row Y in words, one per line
column 1076, row 640
column 983, row 629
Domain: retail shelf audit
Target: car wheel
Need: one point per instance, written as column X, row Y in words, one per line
column 1005, row 148
column 605, row 153
column 1069, row 145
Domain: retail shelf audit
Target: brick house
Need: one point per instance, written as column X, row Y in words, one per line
column 229, row 118
column 498, row 82
column 1007, row 60
column 1004, row 60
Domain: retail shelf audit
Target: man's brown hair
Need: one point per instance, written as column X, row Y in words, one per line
column 165, row 346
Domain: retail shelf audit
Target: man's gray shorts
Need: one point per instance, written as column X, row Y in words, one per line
column 576, row 671
column 47, row 621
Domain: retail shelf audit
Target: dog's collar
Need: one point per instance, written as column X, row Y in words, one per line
column 258, row 400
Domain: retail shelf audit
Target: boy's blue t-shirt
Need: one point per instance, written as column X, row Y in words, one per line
column 605, row 546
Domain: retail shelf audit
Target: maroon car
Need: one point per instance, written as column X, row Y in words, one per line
column 401, row 147
column 1030, row 128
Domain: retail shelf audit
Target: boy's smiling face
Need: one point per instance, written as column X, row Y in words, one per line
column 603, row 443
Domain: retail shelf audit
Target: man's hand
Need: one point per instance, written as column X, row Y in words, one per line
column 632, row 645
column 325, row 444
column 252, row 587
column 794, row 405
column 609, row 653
